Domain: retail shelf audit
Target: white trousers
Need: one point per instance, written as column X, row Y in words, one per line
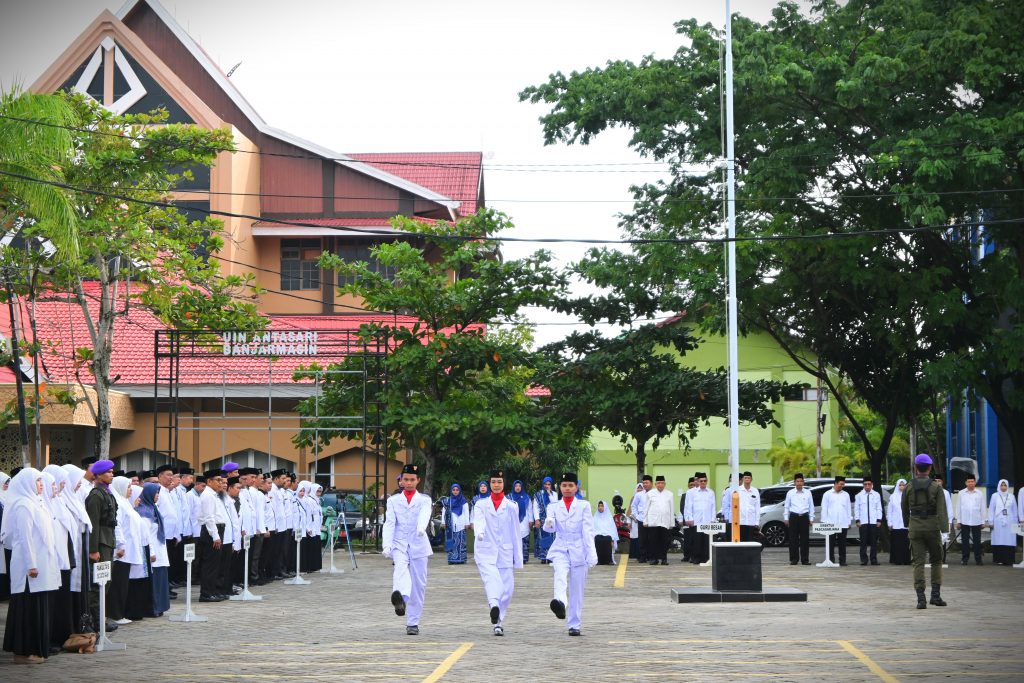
column 499, row 585
column 410, row 579
column 569, row 583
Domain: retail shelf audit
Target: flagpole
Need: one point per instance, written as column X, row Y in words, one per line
column 731, row 326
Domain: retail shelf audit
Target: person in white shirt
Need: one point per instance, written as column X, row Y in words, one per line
column 279, row 538
column 659, row 521
column 868, row 513
column 750, row 508
column 498, row 550
column 726, row 502
column 835, row 509
column 214, row 520
column 637, row 512
column 971, row 516
column 797, row 514
column 699, row 509
column 1002, row 510
column 168, row 506
column 899, row 536
column 527, row 515
column 405, row 541
column 573, row 553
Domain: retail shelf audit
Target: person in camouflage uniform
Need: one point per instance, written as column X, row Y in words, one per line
column 924, row 505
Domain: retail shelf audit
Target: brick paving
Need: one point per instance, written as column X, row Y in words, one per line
column 859, row 624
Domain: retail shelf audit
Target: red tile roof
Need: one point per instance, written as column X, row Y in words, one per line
column 538, row 391
column 453, row 174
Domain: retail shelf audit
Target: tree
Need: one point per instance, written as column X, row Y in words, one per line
column 133, row 250
column 887, row 116
column 456, row 391
column 636, row 385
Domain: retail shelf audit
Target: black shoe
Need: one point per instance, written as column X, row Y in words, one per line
column 642, row 561
column 111, row 626
column 499, row 631
column 172, row 594
column 54, row 650
column 574, row 632
column 793, row 562
column 874, row 563
column 978, row 562
column 399, row 602
column 412, row 630
column 664, row 563
column 936, row 598
column 922, row 603
column 209, row 598
column 863, row 563
column 842, row 563
column 495, row 615
column 558, row 607
column 805, row 563
column 963, row 561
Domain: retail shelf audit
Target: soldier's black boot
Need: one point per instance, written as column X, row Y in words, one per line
column 936, row 598
column 922, row 602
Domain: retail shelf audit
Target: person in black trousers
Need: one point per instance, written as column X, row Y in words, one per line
column 797, row 514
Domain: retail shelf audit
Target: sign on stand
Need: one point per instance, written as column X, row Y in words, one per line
column 189, row 615
column 1020, row 532
column 101, row 575
column 331, row 529
column 826, row 530
column 710, row 530
column 298, row 580
column 245, row 595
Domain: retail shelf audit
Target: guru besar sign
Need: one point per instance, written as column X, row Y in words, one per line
column 281, row 343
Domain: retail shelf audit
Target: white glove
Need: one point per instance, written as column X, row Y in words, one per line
column 386, row 552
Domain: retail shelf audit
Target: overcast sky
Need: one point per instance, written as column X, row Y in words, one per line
column 414, row 76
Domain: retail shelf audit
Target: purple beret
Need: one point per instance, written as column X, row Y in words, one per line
column 229, row 466
column 923, row 459
column 101, row 466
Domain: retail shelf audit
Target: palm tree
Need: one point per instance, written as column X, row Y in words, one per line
column 35, row 144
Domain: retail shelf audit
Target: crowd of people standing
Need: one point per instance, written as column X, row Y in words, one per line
column 56, row 524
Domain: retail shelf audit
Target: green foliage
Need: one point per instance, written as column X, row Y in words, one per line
column 455, row 393
column 869, row 114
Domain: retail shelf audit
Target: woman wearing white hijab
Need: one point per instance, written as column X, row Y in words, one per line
column 1002, row 513
column 306, row 548
column 27, row 530
column 131, row 539
column 606, row 536
column 140, row 577
column 316, row 523
column 74, row 502
column 5, row 581
column 899, row 536
column 62, row 615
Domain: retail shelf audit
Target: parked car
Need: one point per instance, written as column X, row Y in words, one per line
column 773, row 499
column 351, row 504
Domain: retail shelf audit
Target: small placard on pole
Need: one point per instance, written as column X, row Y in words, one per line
column 101, row 575
column 826, row 530
column 710, row 530
column 189, row 615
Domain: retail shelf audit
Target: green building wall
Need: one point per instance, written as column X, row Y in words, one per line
column 614, row 469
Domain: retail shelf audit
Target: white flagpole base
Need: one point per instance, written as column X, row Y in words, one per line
column 1019, row 565
column 826, row 563
column 104, row 644
column 297, row 581
column 332, row 570
column 245, row 595
column 188, row 616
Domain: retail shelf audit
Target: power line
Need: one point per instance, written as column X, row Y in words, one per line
column 540, row 240
column 906, row 148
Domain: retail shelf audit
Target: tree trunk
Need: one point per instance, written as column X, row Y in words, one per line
column 429, row 472
column 641, row 459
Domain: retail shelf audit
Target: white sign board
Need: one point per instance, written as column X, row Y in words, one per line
column 1020, row 529
column 825, row 529
column 190, row 552
column 246, row 542
column 299, row 533
column 712, row 528
column 101, row 572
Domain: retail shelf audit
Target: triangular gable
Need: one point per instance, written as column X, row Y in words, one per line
column 138, row 79
column 189, row 44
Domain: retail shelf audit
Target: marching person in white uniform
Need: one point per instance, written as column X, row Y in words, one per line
column 498, row 549
column 572, row 554
column 407, row 544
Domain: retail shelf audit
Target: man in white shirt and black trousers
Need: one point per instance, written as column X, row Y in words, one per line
column 213, row 518
column 868, row 512
column 971, row 516
column 797, row 514
column 750, row 508
column 835, row 509
column 659, row 521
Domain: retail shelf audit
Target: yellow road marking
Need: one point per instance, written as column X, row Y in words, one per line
column 448, row 663
column 620, row 573
column 729, row 640
column 867, row 661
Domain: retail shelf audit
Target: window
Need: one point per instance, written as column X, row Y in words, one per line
column 773, row 496
column 803, row 392
column 299, row 267
column 353, row 252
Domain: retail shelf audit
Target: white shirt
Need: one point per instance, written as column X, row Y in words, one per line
column 638, row 507
column 168, row 505
column 971, row 509
column 405, row 526
column 835, row 508
column 660, row 509
column 699, row 506
column 211, row 512
column 798, row 503
column 868, row 507
column 574, row 532
column 750, row 506
column 498, row 542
